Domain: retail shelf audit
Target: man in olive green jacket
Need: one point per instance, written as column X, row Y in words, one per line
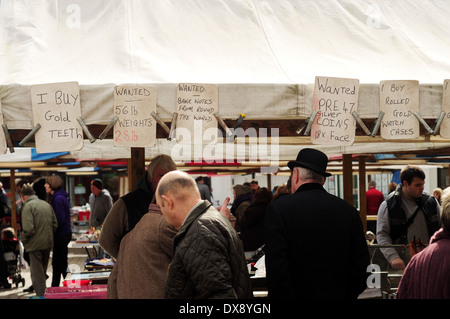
column 38, row 225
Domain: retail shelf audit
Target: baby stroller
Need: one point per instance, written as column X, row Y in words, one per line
column 11, row 256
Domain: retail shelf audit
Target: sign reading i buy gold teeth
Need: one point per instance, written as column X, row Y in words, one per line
column 56, row 107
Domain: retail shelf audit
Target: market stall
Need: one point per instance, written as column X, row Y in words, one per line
column 352, row 79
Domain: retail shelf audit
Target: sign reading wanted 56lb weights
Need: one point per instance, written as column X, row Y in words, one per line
column 133, row 105
column 56, row 108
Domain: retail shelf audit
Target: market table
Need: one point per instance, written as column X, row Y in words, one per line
column 94, row 245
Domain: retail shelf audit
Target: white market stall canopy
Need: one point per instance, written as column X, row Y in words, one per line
column 263, row 55
column 223, row 41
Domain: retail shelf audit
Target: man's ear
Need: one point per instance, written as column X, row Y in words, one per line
column 168, row 201
column 295, row 176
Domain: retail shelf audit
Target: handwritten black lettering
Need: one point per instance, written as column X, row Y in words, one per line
column 135, row 123
column 73, row 133
column 390, row 101
column 186, row 108
column 65, row 98
column 41, row 96
column 134, row 91
column 191, row 88
column 203, row 118
column 58, row 117
column 335, row 90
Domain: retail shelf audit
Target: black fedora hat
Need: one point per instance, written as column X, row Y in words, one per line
column 312, row 159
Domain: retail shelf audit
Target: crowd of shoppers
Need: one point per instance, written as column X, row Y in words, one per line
column 187, row 248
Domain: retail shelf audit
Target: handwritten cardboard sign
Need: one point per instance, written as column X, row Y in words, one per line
column 133, row 105
column 2, row 134
column 334, row 100
column 398, row 100
column 56, row 107
column 196, row 105
column 445, row 125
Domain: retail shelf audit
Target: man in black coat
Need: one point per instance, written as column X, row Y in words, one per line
column 315, row 243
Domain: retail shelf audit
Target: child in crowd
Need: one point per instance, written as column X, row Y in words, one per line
column 9, row 250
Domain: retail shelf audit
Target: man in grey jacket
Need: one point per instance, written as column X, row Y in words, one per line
column 38, row 225
column 100, row 202
column 208, row 260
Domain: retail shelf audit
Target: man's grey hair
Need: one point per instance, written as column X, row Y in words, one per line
column 306, row 174
column 176, row 184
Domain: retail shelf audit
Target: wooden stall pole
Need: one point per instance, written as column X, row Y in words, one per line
column 362, row 191
column 136, row 167
column 12, row 182
column 348, row 178
column 448, row 175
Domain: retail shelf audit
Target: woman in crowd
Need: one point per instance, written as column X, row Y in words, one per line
column 427, row 275
column 243, row 197
column 252, row 223
column 59, row 199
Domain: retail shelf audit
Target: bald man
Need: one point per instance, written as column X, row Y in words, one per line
column 208, row 260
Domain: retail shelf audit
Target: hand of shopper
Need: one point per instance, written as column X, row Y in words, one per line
column 398, row 264
column 224, row 208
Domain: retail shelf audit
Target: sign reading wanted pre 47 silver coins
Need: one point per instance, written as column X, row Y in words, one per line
column 398, row 100
column 335, row 99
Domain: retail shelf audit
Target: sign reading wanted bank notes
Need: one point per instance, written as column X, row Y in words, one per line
column 196, row 105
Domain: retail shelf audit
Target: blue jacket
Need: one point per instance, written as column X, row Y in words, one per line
column 61, row 207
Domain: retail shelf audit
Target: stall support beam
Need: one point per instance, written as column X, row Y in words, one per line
column 362, row 192
column 348, row 178
column 136, row 167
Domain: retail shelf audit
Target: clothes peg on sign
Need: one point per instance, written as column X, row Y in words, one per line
column 236, row 126
column 223, row 125
column 109, row 127
column 302, row 126
column 422, row 121
column 8, row 138
column 377, row 124
column 307, row 123
column 438, row 123
column 361, row 123
column 29, row 135
column 173, row 126
column 310, row 122
column 86, row 130
column 160, row 122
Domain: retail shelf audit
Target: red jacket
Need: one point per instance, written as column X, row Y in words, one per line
column 427, row 275
column 374, row 199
